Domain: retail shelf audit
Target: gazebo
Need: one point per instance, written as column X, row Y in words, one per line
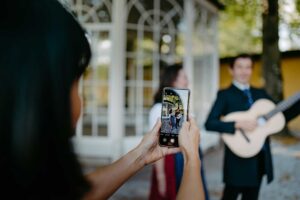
column 132, row 40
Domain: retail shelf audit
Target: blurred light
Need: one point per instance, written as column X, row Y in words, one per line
column 105, row 44
column 101, row 53
column 165, row 48
column 166, row 38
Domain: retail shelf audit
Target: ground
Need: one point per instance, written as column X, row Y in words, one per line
column 286, row 184
column 286, row 161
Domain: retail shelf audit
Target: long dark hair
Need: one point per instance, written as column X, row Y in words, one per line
column 167, row 78
column 43, row 52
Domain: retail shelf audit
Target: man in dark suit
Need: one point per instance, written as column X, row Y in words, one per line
column 241, row 175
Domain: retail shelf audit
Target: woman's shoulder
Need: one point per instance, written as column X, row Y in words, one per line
column 156, row 108
column 154, row 114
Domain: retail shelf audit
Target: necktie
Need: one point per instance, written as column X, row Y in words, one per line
column 249, row 97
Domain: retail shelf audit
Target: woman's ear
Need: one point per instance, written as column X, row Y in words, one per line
column 75, row 103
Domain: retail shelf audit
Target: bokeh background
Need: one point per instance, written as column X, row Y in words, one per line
column 133, row 40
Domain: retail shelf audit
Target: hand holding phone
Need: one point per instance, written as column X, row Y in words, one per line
column 175, row 110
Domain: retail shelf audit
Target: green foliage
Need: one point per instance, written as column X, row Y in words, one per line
column 298, row 6
column 290, row 18
column 240, row 26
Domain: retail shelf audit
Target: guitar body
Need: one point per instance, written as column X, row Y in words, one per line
column 238, row 144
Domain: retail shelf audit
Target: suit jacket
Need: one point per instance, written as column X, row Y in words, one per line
column 240, row 172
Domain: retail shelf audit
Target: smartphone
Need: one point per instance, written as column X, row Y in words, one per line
column 175, row 111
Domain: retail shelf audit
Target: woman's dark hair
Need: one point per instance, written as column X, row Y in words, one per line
column 43, row 52
column 243, row 55
column 167, row 78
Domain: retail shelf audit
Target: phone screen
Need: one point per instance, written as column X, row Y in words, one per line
column 175, row 104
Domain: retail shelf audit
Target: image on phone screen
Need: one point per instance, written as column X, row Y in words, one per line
column 174, row 112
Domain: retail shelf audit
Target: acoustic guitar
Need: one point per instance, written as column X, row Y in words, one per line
column 270, row 120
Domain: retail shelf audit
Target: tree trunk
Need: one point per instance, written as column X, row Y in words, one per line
column 271, row 54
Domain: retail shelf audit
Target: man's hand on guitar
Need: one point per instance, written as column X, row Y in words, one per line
column 246, row 125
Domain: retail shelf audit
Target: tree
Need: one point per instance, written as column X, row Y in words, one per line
column 240, row 26
column 289, row 19
column 271, row 53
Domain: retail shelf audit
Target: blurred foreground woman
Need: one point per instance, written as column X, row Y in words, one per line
column 43, row 53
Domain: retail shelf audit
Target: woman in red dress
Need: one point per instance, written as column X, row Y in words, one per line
column 167, row 172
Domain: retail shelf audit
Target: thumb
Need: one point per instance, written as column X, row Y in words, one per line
column 156, row 127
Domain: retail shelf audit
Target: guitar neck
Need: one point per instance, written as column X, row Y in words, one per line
column 282, row 106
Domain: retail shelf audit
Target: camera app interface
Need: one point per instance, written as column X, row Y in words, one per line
column 174, row 110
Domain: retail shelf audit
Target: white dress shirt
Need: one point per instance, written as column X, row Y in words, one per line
column 240, row 85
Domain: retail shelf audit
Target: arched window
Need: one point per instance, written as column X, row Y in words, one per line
column 154, row 39
column 95, row 16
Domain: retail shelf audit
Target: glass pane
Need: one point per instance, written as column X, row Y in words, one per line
column 129, row 122
column 88, row 99
column 95, row 85
column 130, row 130
column 148, row 97
column 148, row 72
column 131, row 40
column 102, row 130
column 87, row 124
column 130, row 98
column 95, row 11
column 130, row 69
column 101, row 95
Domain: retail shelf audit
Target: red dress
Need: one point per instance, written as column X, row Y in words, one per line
column 169, row 170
